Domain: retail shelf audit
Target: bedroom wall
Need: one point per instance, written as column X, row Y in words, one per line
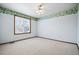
column 7, row 29
column 78, row 27
column 63, row 28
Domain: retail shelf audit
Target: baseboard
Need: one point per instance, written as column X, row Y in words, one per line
column 78, row 48
column 56, row 40
column 78, row 44
column 39, row 37
column 18, row 40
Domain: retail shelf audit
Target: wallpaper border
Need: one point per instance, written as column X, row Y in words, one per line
column 73, row 10
column 11, row 12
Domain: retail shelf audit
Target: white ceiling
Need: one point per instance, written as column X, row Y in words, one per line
column 30, row 8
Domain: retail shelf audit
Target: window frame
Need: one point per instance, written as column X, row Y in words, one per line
column 15, row 25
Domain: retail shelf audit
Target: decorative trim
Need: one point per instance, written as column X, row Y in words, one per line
column 67, row 12
column 73, row 10
column 11, row 12
column 78, row 7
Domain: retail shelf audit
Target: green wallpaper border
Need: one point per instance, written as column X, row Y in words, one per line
column 73, row 10
column 11, row 12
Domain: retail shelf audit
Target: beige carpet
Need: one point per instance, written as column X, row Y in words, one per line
column 38, row 46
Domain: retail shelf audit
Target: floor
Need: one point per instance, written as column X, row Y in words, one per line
column 38, row 46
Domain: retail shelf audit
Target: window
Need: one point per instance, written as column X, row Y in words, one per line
column 22, row 25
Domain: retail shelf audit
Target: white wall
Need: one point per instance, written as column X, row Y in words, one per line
column 7, row 29
column 78, row 27
column 62, row 28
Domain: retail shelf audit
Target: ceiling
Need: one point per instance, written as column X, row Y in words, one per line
column 30, row 8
